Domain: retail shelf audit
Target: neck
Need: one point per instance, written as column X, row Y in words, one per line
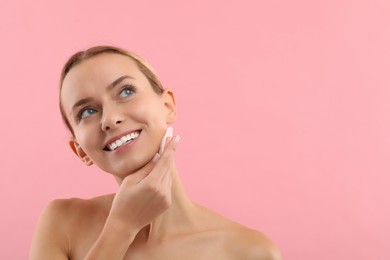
column 178, row 217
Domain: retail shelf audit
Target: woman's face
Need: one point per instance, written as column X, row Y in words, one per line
column 117, row 118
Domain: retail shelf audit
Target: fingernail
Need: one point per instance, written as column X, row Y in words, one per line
column 177, row 139
column 156, row 157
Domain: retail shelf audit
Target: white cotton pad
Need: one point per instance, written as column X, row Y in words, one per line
column 168, row 133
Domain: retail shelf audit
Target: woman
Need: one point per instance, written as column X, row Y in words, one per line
column 118, row 112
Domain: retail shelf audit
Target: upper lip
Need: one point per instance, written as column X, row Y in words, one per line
column 111, row 140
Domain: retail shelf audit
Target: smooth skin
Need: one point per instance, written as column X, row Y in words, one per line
column 150, row 216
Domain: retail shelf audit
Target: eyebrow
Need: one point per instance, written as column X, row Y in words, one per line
column 117, row 81
column 109, row 87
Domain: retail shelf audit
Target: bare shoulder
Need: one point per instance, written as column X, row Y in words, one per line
column 242, row 242
column 69, row 211
column 252, row 244
column 75, row 209
column 50, row 239
column 57, row 222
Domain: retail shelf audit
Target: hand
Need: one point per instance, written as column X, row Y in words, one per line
column 145, row 194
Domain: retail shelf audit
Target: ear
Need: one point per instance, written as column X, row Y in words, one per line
column 170, row 105
column 76, row 148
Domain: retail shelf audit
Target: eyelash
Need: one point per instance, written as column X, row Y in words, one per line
column 129, row 86
column 82, row 111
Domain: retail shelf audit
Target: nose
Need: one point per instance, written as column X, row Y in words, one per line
column 110, row 120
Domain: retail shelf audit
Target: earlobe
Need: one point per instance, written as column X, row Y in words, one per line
column 76, row 148
column 169, row 102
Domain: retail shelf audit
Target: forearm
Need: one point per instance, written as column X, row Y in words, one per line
column 113, row 242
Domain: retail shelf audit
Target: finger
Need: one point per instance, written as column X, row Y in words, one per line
column 166, row 181
column 164, row 162
column 167, row 157
column 161, row 168
column 133, row 179
column 140, row 174
column 156, row 157
column 166, row 187
column 172, row 143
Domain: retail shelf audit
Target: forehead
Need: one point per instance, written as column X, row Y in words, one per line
column 100, row 68
column 96, row 73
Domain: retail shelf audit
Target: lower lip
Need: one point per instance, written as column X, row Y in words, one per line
column 126, row 146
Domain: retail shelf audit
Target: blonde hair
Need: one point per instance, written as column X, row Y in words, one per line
column 81, row 56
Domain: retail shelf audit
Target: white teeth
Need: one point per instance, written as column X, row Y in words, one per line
column 124, row 139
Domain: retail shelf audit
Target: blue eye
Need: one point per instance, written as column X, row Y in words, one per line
column 126, row 91
column 86, row 112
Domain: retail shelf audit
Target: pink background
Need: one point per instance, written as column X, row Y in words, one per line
column 284, row 113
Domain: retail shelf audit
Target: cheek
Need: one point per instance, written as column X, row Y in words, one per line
column 84, row 139
column 150, row 112
column 153, row 117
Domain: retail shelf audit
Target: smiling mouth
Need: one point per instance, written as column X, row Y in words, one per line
column 125, row 139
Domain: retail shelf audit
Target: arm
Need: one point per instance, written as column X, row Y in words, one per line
column 128, row 213
column 113, row 242
column 50, row 240
column 135, row 205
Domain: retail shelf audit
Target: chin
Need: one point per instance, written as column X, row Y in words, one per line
column 130, row 166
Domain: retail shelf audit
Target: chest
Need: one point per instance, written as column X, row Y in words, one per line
column 189, row 247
